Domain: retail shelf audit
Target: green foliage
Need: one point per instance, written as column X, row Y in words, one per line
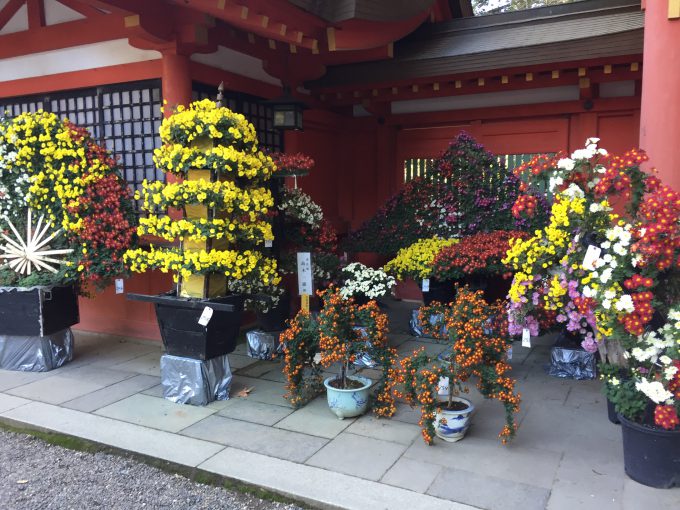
column 496, row 6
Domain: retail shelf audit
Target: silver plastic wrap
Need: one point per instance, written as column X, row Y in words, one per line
column 363, row 359
column 36, row 353
column 194, row 381
column 414, row 323
column 572, row 363
column 263, row 345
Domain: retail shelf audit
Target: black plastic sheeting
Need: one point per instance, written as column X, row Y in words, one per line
column 193, row 381
column 572, row 363
column 36, row 353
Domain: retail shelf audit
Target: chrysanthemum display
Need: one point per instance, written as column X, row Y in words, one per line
column 217, row 245
column 360, row 280
column 415, row 261
column 58, row 171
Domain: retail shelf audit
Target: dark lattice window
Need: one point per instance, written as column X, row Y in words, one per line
column 123, row 117
column 261, row 115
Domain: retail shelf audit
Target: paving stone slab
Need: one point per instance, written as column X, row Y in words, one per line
column 315, row 419
column 580, row 483
column 252, row 411
column 8, row 402
column 487, row 492
column 320, row 487
column 98, row 375
column 406, row 414
column 385, row 429
column 488, row 457
column 261, row 367
column 253, row 437
column 13, row 378
column 412, row 474
column 360, row 456
column 155, row 413
column 267, row 392
column 148, row 364
column 154, row 391
column 237, row 361
column 110, row 394
column 54, row 390
column 637, row 496
column 116, row 354
column 155, row 443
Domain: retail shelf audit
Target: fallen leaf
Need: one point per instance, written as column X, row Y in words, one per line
column 22, row 481
column 243, row 393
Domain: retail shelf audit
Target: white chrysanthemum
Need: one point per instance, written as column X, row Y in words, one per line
column 566, row 164
column 654, row 391
column 625, row 304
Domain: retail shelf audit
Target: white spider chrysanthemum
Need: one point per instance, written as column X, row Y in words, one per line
column 31, row 254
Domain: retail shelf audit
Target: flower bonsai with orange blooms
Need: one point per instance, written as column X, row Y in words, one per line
column 478, row 335
column 342, row 331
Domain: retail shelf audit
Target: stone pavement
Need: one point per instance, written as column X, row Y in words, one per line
column 566, row 454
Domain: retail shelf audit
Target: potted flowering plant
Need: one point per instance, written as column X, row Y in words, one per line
column 66, row 218
column 477, row 260
column 214, row 251
column 647, row 397
column 340, row 341
column 626, row 284
column 307, row 230
column 342, row 331
column 416, row 262
column 365, row 283
column 477, row 333
column 466, row 190
column 292, row 165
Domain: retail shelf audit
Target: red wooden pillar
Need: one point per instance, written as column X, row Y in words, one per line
column 660, row 109
column 176, row 78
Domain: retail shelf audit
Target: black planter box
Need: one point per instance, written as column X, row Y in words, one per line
column 275, row 319
column 442, row 291
column 182, row 334
column 38, row 311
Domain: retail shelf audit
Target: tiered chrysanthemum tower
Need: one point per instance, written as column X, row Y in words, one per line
column 216, row 247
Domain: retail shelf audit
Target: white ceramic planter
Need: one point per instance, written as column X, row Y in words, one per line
column 452, row 425
column 348, row 403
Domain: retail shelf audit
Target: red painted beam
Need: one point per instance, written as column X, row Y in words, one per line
column 232, row 81
column 356, row 34
column 273, row 21
column 82, row 79
column 434, row 119
column 82, row 8
column 63, row 35
column 10, row 10
column 36, row 13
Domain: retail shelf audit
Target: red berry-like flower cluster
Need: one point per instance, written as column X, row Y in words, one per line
column 635, row 322
column 617, row 178
column 525, row 205
column 637, row 280
column 292, row 163
column 658, row 234
column 477, row 253
column 666, row 416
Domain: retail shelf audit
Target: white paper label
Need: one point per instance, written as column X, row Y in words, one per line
column 317, row 358
column 526, row 338
column 426, row 285
column 205, row 316
column 443, row 386
column 304, row 267
column 268, row 243
column 120, row 286
column 592, row 254
column 510, row 353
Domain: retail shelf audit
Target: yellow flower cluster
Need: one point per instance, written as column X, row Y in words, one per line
column 58, row 169
column 234, row 264
column 210, row 137
column 548, row 247
column 202, row 229
column 415, row 261
column 223, row 195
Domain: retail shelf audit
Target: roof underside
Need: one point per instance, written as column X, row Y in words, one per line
column 572, row 32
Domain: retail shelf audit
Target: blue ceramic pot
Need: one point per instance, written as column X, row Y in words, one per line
column 348, row 403
column 452, row 425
